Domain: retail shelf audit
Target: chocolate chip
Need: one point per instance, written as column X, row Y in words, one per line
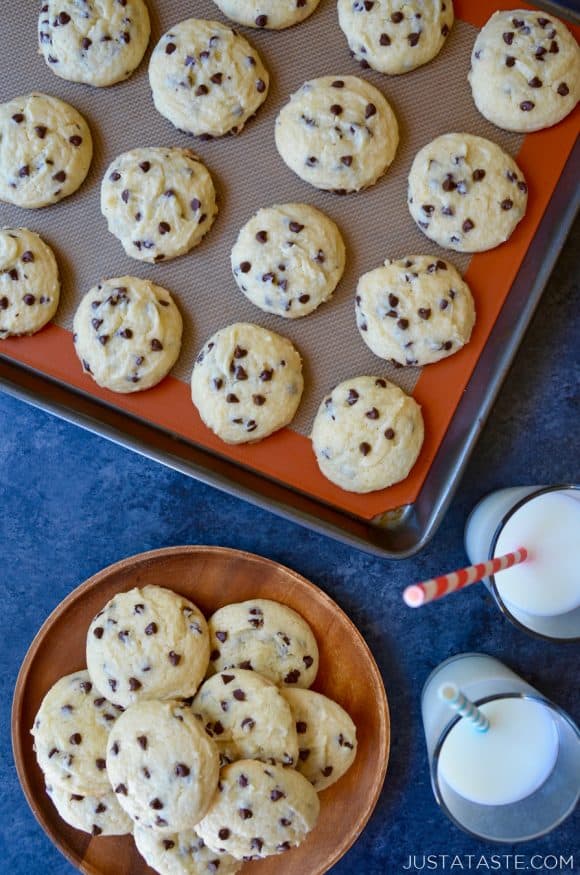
column 509, row 61
column 231, row 398
column 174, row 658
column 262, row 236
column 346, row 160
column 468, row 225
column 508, row 37
column 224, row 834
column 256, row 844
column 151, row 629
column 563, row 89
column 336, row 109
column 397, row 17
column 260, row 86
column 76, row 738
column 352, row 397
column 389, row 434
column 227, row 678
column 535, row 82
column 385, row 39
column 248, row 723
column 120, row 788
column 303, row 299
column 307, row 660
column 527, row 105
column 424, row 312
column 478, row 175
column 98, row 632
column 373, row 413
column 370, row 110
column 245, row 266
column 275, row 795
column 156, row 804
column 327, row 771
column 258, row 400
column 312, row 161
column 134, row 684
column 168, row 844
column 29, row 300
column 100, row 764
column 170, row 48
column 24, row 171
column 181, row 770
column 164, row 227
column 507, row 204
column 261, row 21
column 159, row 821
column 292, row 677
column 301, row 727
column 245, row 813
column 403, row 324
column 414, row 39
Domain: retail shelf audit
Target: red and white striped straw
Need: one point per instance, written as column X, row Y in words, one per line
column 421, row 593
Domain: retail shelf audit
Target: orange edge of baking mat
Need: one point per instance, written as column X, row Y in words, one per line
column 287, row 456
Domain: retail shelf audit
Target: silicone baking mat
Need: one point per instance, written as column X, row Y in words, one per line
column 249, row 174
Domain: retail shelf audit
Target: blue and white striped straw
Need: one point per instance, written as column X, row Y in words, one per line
column 452, row 696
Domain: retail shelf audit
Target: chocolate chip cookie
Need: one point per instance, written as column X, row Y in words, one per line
column 206, row 78
column 45, row 150
column 267, row 637
column 70, row 735
column 414, row 310
column 162, row 766
column 127, row 333
column 158, row 202
column 247, row 383
column 326, row 737
column 337, row 133
column 288, row 259
column 525, row 70
column 395, row 36
column 466, row 193
column 29, row 282
column 148, row 643
column 247, row 718
column 97, row 42
column 367, row 434
column 259, row 810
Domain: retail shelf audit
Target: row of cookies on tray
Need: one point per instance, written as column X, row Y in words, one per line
column 219, row 770
column 524, row 76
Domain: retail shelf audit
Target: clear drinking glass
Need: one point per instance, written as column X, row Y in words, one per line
column 484, row 526
column 484, row 679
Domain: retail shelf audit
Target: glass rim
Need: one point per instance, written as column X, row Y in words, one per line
column 543, row 490
column 454, row 658
column 434, row 762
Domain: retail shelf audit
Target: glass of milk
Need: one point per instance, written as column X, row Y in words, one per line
column 518, row 780
column 542, row 594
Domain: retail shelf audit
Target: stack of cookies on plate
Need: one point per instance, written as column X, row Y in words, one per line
column 202, row 739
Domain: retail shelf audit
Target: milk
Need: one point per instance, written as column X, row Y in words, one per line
column 541, row 594
column 508, row 762
column 548, row 583
column 518, row 780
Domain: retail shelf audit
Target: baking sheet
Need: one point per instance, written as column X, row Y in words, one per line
column 249, row 174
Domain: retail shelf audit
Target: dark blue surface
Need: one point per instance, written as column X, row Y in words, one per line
column 72, row 503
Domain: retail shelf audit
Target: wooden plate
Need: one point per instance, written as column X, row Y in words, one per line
column 213, row 577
